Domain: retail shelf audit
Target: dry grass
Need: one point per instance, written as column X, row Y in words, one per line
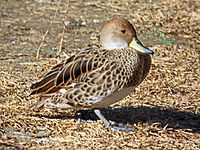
column 165, row 110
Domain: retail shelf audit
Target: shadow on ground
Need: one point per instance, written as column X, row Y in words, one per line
column 171, row 118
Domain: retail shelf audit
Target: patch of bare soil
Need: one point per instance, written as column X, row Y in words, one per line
column 164, row 111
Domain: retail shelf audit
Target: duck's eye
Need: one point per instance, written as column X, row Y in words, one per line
column 123, row 31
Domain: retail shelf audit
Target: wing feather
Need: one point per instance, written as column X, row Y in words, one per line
column 64, row 73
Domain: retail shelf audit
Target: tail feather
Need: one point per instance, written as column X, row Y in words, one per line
column 46, row 85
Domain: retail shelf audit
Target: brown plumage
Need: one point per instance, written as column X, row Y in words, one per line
column 99, row 77
column 96, row 73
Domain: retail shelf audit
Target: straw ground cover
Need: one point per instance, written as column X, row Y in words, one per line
column 164, row 110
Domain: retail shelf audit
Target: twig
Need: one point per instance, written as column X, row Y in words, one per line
column 61, row 41
column 47, row 31
column 43, row 38
column 63, row 32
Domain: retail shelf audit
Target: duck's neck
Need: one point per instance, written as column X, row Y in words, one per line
column 114, row 44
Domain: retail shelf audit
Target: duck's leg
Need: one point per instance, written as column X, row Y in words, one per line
column 110, row 124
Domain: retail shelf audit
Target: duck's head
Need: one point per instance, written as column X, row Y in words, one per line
column 120, row 33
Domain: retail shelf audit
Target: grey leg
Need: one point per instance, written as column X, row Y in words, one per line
column 110, row 124
column 102, row 118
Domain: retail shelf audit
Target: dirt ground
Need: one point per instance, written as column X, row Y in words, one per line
column 165, row 109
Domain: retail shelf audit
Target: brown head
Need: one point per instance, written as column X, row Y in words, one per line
column 120, row 33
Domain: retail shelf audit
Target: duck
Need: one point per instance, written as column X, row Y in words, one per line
column 98, row 78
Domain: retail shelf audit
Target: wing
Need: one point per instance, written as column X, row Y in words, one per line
column 95, row 89
column 67, row 72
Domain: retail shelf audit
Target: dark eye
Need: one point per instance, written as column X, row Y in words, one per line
column 123, row 31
